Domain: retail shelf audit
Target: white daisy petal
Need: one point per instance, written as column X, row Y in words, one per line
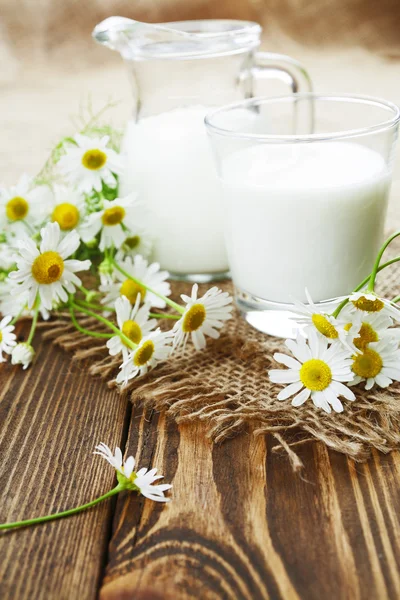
column 343, row 390
column 299, row 350
column 320, row 401
column 301, row 398
column 383, row 380
column 282, row 376
column 129, row 466
column 290, row 390
column 288, row 361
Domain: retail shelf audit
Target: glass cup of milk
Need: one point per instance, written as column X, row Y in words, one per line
column 180, row 71
column 304, row 202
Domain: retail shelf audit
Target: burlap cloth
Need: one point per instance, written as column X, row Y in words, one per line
column 227, row 387
column 50, row 66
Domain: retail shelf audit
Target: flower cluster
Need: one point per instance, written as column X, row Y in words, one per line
column 69, row 226
column 357, row 343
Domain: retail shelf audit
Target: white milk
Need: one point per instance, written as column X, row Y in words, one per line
column 170, row 164
column 304, row 215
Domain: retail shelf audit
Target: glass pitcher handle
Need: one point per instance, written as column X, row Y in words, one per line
column 268, row 65
column 279, row 66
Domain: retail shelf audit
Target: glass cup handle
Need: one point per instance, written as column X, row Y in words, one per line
column 268, row 65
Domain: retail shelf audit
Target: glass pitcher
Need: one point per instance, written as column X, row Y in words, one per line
column 180, row 72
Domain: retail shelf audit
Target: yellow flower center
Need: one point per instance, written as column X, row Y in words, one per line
column 366, row 335
column 347, row 327
column 48, row 267
column 368, row 364
column 17, row 208
column 322, row 324
column 362, row 303
column 94, row 159
column 132, row 477
column 315, row 374
column 1, row 337
column 130, row 289
column 132, row 331
column 143, row 354
column 66, row 215
column 194, row 318
column 132, row 242
column 113, row 216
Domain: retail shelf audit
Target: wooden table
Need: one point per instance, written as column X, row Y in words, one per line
column 241, row 525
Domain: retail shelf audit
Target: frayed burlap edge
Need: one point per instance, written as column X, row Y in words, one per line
column 227, row 387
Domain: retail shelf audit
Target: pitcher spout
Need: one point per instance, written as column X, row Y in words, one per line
column 128, row 36
column 134, row 39
column 116, row 33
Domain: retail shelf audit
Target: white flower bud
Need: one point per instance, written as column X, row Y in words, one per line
column 22, row 354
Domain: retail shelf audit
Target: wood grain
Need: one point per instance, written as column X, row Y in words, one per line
column 51, row 418
column 243, row 526
column 240, row 525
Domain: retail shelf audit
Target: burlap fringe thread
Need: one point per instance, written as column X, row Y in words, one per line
column 227, row 387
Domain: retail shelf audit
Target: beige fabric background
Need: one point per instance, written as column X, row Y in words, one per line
column 49, row 64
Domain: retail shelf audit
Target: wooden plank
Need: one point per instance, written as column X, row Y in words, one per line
column 51, row 418
column 242, row 525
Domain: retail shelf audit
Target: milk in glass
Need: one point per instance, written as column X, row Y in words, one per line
column 303, row 215
column 170, row 164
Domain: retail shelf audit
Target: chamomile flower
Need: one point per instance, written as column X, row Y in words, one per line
column 89, row 163
column 7, row 337
column 369, row 302
column 21, row 205
column 152, row 349
column 46, row 271
column 115, row 460
column 23, row 354
column 371, row 327
column 138, row 241
column 116, row 219
column 202, row 316
column 17, row 304
column 133, row 321
column 139, row 269
column 68, row 208
column 316, row 318
column 378, row 363
column 141, row 481
column 144, row 481
column 317, row 370
column 7, row 257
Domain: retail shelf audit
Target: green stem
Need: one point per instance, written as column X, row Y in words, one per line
column 168, row 301
column 86, row 331
column 87, row 292
column 108, row 323
column 15, row 319
column 363, row 283
column 108, row 254
column 164, row 316
column 375, row 269
column 94, row 306
column 396, row 299
column 61, row 515
column 34, row 322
